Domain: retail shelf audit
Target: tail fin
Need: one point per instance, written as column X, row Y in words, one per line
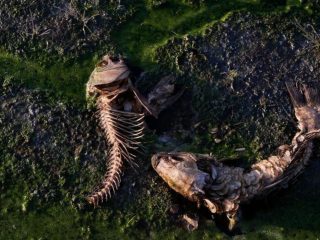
column 296, row 96
column 306, row 102
column 307, row 94
column 312, row 95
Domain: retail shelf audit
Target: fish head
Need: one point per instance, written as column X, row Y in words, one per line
column 110, row 74
column 181, row 173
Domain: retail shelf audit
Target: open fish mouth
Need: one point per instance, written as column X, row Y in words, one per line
column 155, row 161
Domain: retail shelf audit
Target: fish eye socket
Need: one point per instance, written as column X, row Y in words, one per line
column 115, row 59
column 173, row 161
column 103, row 63
column 186, row 165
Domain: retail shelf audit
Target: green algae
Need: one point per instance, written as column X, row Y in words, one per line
column 65, row 79
column 150, row 28
column 64, row 223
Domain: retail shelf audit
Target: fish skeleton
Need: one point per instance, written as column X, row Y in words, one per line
column 121, row 110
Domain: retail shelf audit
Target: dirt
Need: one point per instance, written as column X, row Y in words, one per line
column 236, row 73
column 58, row 27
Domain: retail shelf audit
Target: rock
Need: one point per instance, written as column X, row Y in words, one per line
column 174, row 209
column 240, row 149
column 166, row 139
column 190, row 222
column 214, row 131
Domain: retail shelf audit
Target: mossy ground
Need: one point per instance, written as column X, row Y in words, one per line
column 144, row 215
column 66, row 80
column 151, row 27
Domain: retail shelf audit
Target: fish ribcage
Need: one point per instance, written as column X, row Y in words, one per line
column 123, row 131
